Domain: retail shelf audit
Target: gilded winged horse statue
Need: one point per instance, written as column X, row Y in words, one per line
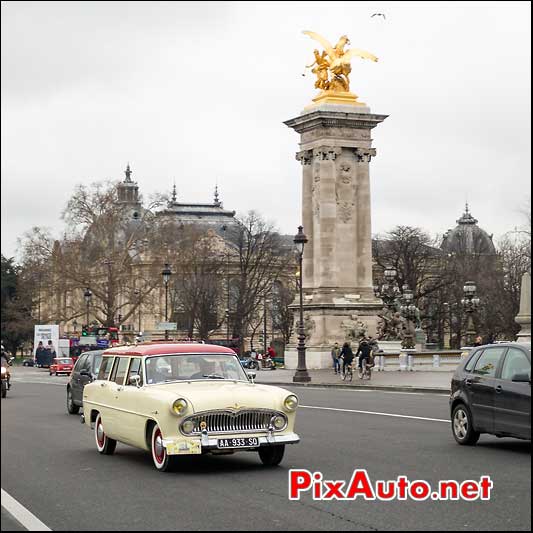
column 334, row 61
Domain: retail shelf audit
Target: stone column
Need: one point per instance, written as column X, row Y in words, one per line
column 335, row 151
column 524, row 315
column 306, row 158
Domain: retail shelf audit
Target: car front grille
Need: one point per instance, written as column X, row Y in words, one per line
column 246, row 421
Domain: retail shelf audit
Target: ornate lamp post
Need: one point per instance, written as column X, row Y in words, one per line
column 470, row 304
column 137, row 294
column 227, row 325
column 75, row 325
column 88, row 296
column 301, row 375
column 409, row 311
column 166, row 273
column 388, row 291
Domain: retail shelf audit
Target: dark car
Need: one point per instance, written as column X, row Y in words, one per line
column 491, row 393
column 85, row 371
column 29, row 361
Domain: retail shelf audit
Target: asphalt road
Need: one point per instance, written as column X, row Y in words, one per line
column 51, row 466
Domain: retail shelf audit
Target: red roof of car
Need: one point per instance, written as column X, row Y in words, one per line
column 164, row 348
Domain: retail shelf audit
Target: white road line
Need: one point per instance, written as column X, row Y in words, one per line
column 20, row 513
column 373, row 413
column 36, row 382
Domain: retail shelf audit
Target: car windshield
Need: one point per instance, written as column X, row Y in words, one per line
column 64, row 361
column 168, row 368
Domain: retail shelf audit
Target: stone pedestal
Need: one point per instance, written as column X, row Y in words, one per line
column 339, row 302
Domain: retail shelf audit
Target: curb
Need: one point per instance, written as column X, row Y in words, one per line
column 390, row 388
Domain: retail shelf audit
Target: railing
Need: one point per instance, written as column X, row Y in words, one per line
column 427, row 360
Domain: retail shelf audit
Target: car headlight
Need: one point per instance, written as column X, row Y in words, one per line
column 291, row 403
column 179, row 406
column 279, row 422
column 187, row 427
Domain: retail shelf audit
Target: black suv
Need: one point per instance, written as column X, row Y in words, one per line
column 491, row 393
column 85, row 370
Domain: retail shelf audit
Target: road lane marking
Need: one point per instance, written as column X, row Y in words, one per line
column 36, row 382
column 374, row 413
column 21, row 514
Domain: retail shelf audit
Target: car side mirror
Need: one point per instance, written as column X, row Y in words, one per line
column 135, row 379
column 521, row 378
column 251, row 376
column 85, row 373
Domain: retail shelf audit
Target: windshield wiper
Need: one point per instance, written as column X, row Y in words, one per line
column 213, row 376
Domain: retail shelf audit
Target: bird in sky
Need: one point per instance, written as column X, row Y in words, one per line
column 379, row 15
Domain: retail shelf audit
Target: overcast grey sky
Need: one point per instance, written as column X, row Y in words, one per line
column 197, row 92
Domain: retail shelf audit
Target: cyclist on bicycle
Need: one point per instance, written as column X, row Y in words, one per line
column 347, row 356
column 364, row 352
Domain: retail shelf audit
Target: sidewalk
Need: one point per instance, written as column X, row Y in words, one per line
column 417, row 381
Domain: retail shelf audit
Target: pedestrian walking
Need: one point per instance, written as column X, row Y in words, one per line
column 335, row 354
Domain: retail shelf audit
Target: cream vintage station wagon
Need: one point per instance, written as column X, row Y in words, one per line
column 184, row 399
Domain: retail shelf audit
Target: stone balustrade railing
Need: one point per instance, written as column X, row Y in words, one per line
column 409, row 360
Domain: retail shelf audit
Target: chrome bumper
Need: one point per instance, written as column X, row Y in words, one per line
column 210, row 443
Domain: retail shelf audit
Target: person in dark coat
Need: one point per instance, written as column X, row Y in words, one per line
column 346, row 355
column 365, row 353
column 40, row 354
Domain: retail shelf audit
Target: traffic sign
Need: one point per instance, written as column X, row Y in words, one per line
column 167, row 326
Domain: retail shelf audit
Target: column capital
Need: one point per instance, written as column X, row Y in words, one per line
column 305, row 157
column 327, row 153
column 364, row 154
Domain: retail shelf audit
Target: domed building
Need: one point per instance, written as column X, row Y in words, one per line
column 467, row 238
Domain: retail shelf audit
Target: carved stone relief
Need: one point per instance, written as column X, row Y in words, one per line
column 315, row 187
column 345, row 189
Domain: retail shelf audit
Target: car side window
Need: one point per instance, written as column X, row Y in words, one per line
column 488, row 362
column 470, row 363
column 135, row 368
column 119, row 370
column 80, row 363
column 86, row 364
column 105, row 368
column 515, row 362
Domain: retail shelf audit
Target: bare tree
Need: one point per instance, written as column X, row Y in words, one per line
column 105, row 250
column 261, row 259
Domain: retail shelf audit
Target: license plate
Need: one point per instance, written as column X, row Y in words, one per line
column 245, row 442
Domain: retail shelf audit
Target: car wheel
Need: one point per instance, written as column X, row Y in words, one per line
column 272, row 455
column 462, row 426
column 104, row 444
column 162, row 461
column 72, row 408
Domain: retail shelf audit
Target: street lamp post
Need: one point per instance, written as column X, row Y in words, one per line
column 410, row 312
column 301, row 375
column 166, row 273
column 390, row 293
column 470, row 304
column 227, row 325
column 137, row 293
column 88, row 296
column 75, row 325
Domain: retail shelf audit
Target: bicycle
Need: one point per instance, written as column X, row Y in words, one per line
column 366, row 372
column 348, row 374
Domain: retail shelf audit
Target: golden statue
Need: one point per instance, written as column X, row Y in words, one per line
column 335, row 62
